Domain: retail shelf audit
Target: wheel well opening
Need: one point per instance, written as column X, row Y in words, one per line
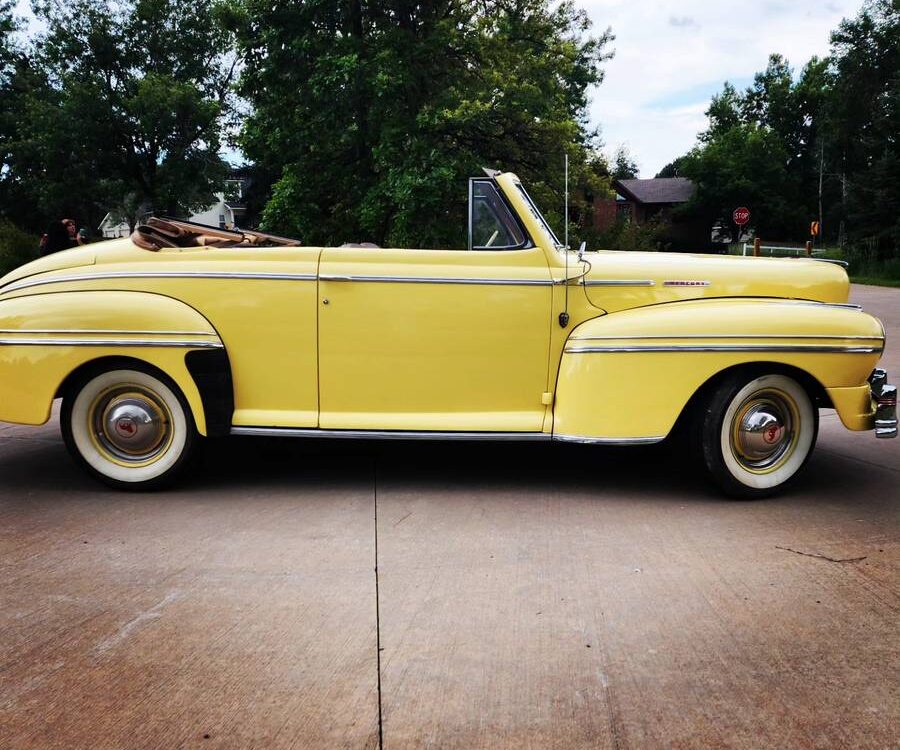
column 210, row 370
column 105, row 363
column 810, row 384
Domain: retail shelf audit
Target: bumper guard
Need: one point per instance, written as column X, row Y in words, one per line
column 885, row 398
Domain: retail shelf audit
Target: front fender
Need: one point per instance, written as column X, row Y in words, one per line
column 44, row 338
column 627, row 376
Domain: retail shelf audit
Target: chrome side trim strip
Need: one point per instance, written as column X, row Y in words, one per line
column 608, row 441
column 843, row 305
column 102, row 332
column 729, row 336
column 165, row 343
column 30, row 282
column 386, row 434
column 619, row 282
column 837, row 262
column 809, row 349
column 436, row 280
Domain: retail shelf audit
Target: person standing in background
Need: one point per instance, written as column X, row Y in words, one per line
column 59, row 237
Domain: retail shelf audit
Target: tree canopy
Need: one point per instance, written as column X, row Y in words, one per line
column 120, row 106
column 367, row 117
column 837, row 121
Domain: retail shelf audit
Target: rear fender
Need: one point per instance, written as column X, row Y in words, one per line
column 46, row 340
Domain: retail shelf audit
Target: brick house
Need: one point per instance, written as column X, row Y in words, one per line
column 641, row 201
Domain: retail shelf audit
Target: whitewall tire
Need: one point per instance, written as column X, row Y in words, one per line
column 755, row 433
column 128, row 427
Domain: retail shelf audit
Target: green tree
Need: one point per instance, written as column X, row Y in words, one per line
column 743, row 166
column 13, row 80
column 131, row 112
column 367, row 117
column 624, row 165
column 672, row 169
column 865, row 122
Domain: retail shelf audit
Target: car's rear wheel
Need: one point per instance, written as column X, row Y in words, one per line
column 754, row 433
column 130, row 428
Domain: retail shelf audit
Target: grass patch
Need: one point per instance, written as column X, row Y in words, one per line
column 875, row 281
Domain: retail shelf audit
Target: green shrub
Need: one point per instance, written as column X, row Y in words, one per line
column 16, row 247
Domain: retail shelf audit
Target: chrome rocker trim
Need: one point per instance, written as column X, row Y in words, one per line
column 302, row 432
column 608, row 441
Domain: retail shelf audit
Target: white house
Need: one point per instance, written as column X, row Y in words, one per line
column 224, row 213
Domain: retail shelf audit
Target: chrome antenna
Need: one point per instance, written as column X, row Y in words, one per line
column 564, row 315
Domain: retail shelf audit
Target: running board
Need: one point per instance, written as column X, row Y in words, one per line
column 432, row 435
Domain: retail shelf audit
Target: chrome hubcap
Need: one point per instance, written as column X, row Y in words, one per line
column 131, row 424
column 763, row 431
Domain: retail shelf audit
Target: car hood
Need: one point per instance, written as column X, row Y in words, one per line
column 622, row 280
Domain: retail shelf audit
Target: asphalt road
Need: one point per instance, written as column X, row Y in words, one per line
column 526, row 596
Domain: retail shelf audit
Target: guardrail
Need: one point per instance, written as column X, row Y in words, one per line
column 757, row 249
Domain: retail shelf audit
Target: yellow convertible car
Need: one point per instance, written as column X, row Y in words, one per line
column 184, row 330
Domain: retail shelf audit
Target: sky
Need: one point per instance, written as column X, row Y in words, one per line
column 671, row 57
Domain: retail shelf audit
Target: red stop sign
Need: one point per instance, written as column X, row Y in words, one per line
column 741, row 216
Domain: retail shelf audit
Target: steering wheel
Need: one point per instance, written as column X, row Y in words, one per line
column 493, row 237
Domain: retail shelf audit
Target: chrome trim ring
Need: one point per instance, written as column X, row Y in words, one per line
column 130, row 425
column 764, row 430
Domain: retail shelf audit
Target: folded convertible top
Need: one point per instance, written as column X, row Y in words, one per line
column 157, row 233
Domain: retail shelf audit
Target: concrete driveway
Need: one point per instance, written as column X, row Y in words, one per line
column 526, row 596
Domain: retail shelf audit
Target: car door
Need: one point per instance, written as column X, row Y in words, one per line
column 438, row 340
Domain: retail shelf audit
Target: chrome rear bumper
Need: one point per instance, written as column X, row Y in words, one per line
column 885, row 398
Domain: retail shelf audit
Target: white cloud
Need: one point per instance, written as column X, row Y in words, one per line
column 672, row 56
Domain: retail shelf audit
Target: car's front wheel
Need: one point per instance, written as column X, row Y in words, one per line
column 130, row 428
column 755, row 433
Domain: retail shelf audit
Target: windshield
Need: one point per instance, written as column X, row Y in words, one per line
column 538, row 215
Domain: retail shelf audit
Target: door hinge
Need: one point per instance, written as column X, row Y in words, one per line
column 547, row 398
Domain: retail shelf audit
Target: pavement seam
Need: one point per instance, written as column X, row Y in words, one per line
column 377, row 604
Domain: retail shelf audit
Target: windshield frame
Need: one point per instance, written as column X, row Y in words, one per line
column 539, row 216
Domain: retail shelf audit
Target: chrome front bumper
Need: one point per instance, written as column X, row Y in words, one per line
column 885, row 398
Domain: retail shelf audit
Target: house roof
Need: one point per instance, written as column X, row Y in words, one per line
column 657, row 190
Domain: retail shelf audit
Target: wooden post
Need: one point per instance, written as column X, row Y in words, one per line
column 809, row 248
column 756, row 245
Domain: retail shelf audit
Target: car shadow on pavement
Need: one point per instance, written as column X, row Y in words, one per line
column 247, row 465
